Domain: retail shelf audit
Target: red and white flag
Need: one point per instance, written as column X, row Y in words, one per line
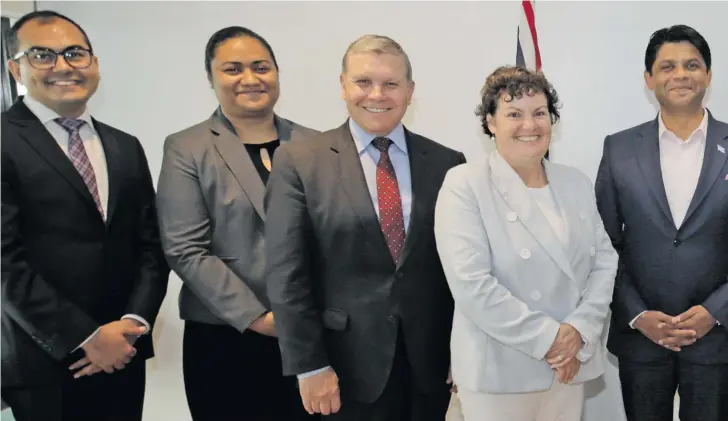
column 527, row 51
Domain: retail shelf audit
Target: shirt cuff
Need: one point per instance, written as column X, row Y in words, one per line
column 87, row 339
column 139, row 319
column 313, row 373
column 631, row 324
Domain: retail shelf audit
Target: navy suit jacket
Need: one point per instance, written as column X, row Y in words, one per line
column 663, row 267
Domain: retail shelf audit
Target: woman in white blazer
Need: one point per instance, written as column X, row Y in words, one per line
column 528, row 262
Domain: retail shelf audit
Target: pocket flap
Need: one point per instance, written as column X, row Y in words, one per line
column 335, row 319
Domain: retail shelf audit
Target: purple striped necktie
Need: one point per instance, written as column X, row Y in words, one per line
column 79, row 158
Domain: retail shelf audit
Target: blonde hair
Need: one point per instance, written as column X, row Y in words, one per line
column 377, row 44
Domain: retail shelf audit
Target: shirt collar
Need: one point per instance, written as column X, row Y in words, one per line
column 364, row 139
column 702, row 128
column 46, row 115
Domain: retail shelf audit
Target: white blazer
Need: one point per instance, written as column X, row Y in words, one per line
column 513, row 281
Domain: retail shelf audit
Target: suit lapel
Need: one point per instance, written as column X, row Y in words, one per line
column 573, row 216
column 111, row 151
column 714, row 159
column 347, row 165
column 648, row 156
column 420, row 184
column 35, row 134
column 515, row 194
column 232, row 151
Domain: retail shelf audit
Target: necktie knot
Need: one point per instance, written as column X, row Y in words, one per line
column 70, row 124
column 382, row 143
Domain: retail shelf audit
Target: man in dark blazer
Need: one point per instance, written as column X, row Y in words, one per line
column 356, row 286
column 83, row 274
column 662, row 191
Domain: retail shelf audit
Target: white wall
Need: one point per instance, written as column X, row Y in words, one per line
column 16, row 8
column 153, row 83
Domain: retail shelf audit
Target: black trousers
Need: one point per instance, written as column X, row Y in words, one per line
column 230, row 375
column 101, row 397
column 401, row 399
column 648, row 390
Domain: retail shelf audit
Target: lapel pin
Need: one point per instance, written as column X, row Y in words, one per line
column 721, row 149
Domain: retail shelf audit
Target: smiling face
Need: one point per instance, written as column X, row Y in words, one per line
column 679, row 76
column 62, row 88
column 376, row 90
column 522, row 127
column 244, row 77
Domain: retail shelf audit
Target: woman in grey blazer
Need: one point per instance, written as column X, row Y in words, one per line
column 528, row 262
column 210, row 204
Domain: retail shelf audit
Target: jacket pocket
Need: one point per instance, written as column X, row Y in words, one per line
column 335, row 319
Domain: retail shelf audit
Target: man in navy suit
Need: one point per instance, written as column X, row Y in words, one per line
column 662, row 191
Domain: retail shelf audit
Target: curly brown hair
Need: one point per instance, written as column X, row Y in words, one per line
column 513, row 82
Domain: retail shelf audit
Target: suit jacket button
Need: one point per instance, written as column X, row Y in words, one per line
column 677, row 242
column 511, row 216
column 525, row 254
column 536, row 296
column 390, row 319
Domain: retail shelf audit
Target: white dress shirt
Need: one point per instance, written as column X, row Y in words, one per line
column 680, row 162
column 97, row 157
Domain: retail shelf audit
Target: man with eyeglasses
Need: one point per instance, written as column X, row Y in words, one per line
column 83, row 275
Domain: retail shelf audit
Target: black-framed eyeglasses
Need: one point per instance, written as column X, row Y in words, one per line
column 45, row 58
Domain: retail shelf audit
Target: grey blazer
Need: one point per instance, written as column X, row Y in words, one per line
column 210, row 206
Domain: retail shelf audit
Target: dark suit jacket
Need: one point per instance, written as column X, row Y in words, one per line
column 337, row 296
column 662, row 267
column 65, row 271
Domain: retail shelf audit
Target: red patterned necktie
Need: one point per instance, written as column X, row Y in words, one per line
column 79, row 158
column 390, row 201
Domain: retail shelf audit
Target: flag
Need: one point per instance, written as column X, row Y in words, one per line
column 527, row 52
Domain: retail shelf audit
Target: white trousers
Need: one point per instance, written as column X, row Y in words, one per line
column 563, row 402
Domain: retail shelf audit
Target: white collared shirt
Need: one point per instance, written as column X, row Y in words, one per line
column 681, row 162
column 97, row 157
column 91, row 142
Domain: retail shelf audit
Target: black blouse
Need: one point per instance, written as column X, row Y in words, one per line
column 254, row 152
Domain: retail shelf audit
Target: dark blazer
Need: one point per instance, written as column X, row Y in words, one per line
column 338, row 297
column 210, row 201
column 662, row 267
column 64, row 271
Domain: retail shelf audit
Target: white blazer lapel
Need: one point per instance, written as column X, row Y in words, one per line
column 515, row 194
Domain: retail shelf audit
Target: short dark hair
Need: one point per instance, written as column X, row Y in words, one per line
column 44, row 16
column 225, row 34
column 514, row 81
column 676, row 33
